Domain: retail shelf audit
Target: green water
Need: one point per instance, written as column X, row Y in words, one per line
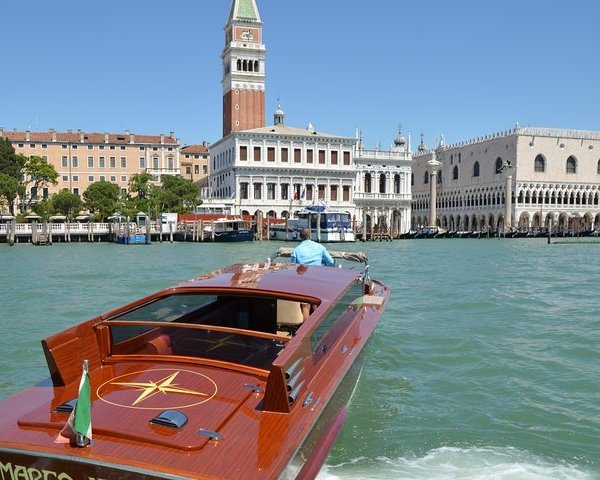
column 486, row 364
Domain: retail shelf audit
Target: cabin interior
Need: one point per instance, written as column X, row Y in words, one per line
column 250, row 330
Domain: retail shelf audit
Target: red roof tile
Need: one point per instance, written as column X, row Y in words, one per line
column 88, row 137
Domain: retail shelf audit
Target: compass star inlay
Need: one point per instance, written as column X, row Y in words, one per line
column 163, row 386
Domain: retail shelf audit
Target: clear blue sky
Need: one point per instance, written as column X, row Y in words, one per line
column 457, row 68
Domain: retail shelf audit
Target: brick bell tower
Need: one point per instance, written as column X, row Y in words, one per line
column 243, row 69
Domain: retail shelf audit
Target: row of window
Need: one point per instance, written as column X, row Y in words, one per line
column 539, row 165
column 90, row 147
column 247, row 65
column 285, row 155
column 188, row 170
column 293, row 192
column 112, row 162
column 92, row 178
column 368, row 183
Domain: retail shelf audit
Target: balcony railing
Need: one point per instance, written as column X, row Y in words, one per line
column 382, row 196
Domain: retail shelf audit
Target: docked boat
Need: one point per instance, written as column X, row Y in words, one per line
column 229, row 230
column 326, row 225
column 242, row 373
column 132, row 239
column 431, row 232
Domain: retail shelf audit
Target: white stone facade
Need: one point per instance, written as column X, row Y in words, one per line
column 553, row 176
column 383, row 191
column 275, row 170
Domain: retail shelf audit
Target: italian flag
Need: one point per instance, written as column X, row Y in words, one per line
column 78, row 429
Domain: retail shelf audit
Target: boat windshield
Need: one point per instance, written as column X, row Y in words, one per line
column 233, row 328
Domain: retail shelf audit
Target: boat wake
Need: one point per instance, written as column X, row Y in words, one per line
column 459, row 464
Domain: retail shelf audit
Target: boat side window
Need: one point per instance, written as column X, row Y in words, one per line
column 343, row 311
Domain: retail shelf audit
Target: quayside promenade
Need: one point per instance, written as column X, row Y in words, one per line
column 39, row 233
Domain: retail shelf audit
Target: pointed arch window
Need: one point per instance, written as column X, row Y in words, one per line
column 426, row 178
column 498, row 165
column 396, row 183
column 439, row 176
column 539, row 164
column 571, row 165
column 476, row 169
column 598, row 168
column 455, row 173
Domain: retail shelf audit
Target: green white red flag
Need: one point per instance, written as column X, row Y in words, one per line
column 78, row 430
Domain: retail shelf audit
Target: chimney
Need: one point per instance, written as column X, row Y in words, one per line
column 27, row 135
column 69, row 130
column 162, row 138
column 106, row 138
column 81, row 135
column 131, row 138
column 172, row 135
column 53, row 132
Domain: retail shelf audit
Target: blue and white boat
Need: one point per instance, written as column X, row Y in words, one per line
column 326, row 225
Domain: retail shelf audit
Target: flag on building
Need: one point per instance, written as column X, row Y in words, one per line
column 303, row 194
column 78, row 429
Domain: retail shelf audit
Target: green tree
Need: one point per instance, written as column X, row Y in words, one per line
column 101, row 199
column 43, row 208
column 127, row 205
column 177, row 195
column 11, row 164
column 140, row 188
column 66, row 203
column 38, row 174
column 9, row 190
column 141, row 184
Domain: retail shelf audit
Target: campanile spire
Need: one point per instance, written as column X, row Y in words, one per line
column 243, row 69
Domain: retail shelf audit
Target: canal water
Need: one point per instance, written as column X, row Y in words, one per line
column 486, row 364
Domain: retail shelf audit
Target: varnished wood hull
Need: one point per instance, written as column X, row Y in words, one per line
column 246, row 419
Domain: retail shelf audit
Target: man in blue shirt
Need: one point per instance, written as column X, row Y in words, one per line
column 309, row 252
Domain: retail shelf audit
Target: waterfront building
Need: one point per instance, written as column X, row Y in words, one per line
column 525, row 178
column 82, row 158
column 383, row 191
column 273, row 170
column 195, row 163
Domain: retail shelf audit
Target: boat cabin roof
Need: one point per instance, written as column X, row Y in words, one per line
column 324, row 284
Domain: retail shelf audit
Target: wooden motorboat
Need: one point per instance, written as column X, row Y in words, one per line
column 242, row 373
